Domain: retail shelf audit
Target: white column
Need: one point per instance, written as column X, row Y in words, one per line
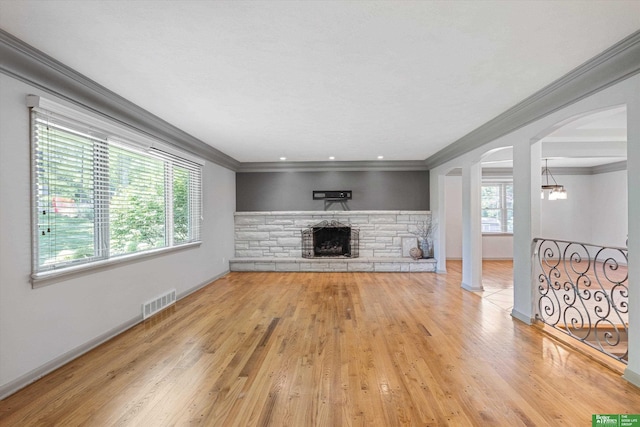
column 471, row 227
column 526, row 226
column 438, row 210
column 632, row 373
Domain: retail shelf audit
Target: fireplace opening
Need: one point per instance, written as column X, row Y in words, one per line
column 330, row 239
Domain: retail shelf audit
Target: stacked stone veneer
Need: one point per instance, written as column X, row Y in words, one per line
column 272, row 241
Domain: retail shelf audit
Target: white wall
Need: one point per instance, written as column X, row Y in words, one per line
column 497, row 246
column 569, row 219
column 39, row 326
column 594, row 212
column 453, row 234
column 609, row 206
column 493, row 247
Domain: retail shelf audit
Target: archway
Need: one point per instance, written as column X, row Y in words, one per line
column 587, row 154
column 583, row 141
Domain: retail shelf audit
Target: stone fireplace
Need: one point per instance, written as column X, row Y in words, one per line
column 271, row 241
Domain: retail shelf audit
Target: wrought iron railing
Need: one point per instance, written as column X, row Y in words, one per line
column 582, row 291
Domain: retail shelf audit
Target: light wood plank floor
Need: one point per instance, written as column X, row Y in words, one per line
column 325, row 349
column 497, row 281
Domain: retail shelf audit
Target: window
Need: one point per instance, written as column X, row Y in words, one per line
column 98, row 197
column 497, row 208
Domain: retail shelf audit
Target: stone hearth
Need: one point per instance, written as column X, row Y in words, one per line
column 272, row 241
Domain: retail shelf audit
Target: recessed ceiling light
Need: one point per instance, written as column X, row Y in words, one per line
column 332, row 158
column 283, row 158
column 380, row 157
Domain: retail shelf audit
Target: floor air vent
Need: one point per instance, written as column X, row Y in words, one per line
column 150, row 308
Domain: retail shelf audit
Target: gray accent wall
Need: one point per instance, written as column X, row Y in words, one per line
column 292, row 191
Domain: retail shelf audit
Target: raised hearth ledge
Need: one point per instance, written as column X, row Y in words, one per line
column 405, row 265
column 328, row 213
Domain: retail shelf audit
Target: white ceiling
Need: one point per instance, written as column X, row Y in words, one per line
column 308, row 80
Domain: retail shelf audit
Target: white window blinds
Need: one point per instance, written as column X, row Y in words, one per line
column 97, row 197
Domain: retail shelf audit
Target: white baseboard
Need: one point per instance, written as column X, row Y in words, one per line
column 632, row 377
column 34, row 375
column 471, row 288
column 201, row 285
column 522, row 317
column 484, row 259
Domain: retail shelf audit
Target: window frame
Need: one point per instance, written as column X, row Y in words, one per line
column 117, row 135
column 503, row 209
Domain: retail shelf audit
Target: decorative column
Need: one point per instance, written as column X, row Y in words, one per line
column 526, row 225
column 471, row 227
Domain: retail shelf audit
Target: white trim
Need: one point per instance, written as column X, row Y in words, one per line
column 331, row 166
column 471, row 288
column 522, row 317
column 328, row 213
column 631, row 376
column 506, row 174
column 201, row 285
column 610, row 167
column 45, row 109
column 35, row 374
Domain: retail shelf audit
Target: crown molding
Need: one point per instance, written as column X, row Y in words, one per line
column 578, row 170
column 592, row 170
column 498, row 173
column 615, row 64
column 610, row 167
column 29, row 65
column 332, row 166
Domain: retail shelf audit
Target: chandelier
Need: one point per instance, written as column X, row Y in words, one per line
column 552, row 188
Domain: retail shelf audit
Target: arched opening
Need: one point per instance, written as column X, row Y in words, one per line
column 466, row 252
column 583, row 236
column 587, row 154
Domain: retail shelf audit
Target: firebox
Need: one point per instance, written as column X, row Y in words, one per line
column 330, row 239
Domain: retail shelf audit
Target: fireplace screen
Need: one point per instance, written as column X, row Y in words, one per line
column 330, row 239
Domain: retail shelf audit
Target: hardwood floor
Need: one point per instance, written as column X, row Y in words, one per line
column 327, row 349
column 497, row 281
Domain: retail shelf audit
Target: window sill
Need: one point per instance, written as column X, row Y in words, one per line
column 46, row 278
column 497, row 234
